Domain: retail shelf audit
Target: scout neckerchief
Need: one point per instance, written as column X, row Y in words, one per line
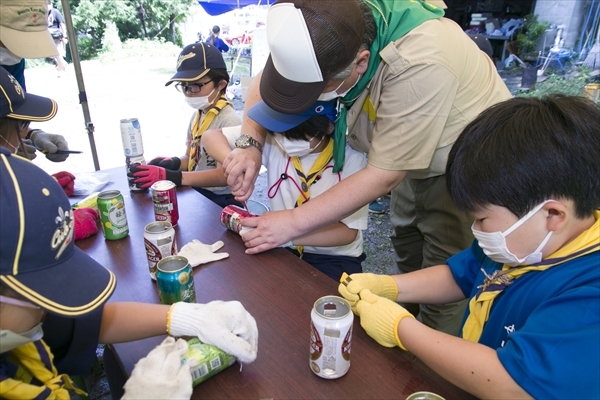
column 306, row 180
column 481, row 304
column 200, row 126
column 394, row 19
column 35, row 361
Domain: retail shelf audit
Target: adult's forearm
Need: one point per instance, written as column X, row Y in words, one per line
column 216, row 144
column 346, row 197
column 128, row 321
column 415, row 287
column 471, row 366
column 337, row 234
column 208, row 178
column 249, row 127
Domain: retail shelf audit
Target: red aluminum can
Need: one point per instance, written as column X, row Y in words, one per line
column 231, row 216
column 164, row 197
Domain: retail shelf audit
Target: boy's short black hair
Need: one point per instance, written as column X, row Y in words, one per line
column 316, row 126
column 523, row 151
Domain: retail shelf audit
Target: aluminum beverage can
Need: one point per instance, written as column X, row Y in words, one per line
column 112, row 214
column 175, row 281
column 131, row 135
column 164, row 197
column 159, row 241
column 330, row 337
column 231, row 216
column 129, row 161
column 424, row 396
column 209, row 360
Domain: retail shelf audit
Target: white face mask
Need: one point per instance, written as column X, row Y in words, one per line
column 334, row 94
column 201, row 102
column 494, row 245
column 8, row 58
column 10, row 340
column 295, row 148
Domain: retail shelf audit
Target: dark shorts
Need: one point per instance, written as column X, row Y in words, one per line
column 331, row 265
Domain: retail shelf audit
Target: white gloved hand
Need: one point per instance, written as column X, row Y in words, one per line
column 160, row 374
column 225, row 324
column 198, row 253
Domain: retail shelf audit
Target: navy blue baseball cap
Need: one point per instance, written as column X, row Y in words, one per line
column 38, row 257
column 15, row 103
column 195, row 61
column 276, row 121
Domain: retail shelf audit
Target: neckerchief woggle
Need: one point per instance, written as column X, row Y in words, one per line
column 480, row 305
column 394, row 19
column 199, row 127
column 35, row 361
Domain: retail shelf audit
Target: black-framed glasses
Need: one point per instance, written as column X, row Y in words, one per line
column 190, row 88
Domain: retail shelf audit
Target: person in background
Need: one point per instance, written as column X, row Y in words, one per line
column 298, row 155
column 24, row 34
column 53, row 310
column 408, row 81
column 58, row 31
column 202, row 78
column 527, row 171
column 216, row 41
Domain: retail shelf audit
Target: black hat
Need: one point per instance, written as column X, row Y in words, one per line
column 310, row 42
column 38, row 257
column 195, row 60
column 15, row 103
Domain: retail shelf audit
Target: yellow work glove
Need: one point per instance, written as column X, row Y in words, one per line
column 380, row 318
column 381, row 285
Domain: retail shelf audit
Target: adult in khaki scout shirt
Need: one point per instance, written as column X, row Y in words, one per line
column 411, row 81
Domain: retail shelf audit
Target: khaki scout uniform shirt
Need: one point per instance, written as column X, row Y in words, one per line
column 430, row 84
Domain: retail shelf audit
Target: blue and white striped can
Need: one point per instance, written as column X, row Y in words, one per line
column 131, row 135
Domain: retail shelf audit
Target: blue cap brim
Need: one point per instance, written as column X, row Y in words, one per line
column 275, row 121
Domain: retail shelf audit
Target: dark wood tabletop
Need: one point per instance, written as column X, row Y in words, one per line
column 278, row 289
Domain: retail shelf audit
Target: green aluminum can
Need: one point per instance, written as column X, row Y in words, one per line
column 175, row 281
column 112, row 214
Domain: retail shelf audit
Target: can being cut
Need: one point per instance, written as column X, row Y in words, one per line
column 330, row 337
column 164, row 197
column 131, row 135
column 209, row 360
column 231, row 216
column 112, row 214
column 159, row 240
column 174, row 280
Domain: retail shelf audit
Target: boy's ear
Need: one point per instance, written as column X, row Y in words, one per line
column 558, row 214
column 362, row 61
column 331, row 128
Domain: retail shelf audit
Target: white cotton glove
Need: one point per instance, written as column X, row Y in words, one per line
column 160, row 374
column 198, row 253
column 225, row 324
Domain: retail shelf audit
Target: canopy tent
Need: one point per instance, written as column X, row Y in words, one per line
column 217, row 7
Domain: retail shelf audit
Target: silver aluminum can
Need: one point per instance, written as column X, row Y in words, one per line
column 129, row 161
column 331, row 322
column 159, row 241
column 131, row 135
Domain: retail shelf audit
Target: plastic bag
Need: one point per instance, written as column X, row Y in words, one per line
column 87, row 183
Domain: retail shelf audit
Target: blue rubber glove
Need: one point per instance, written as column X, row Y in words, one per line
column 147, row 175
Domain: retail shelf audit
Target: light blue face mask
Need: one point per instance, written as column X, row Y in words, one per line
column 10, row 340
column 334, row 94
column 8, row 58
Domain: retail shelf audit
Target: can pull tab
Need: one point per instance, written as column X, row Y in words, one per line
column 329, row 309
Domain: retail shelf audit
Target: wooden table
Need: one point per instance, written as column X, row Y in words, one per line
column 278, row 289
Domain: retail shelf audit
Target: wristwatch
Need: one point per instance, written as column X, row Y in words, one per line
column 245, row 141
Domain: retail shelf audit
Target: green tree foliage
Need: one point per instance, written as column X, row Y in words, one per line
column 134, row 19
column 532, row 31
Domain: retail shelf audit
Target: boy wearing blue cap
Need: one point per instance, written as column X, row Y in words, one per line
column 202, row 78
column 298, row 154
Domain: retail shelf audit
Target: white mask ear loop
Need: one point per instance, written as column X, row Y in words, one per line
column 525, row 218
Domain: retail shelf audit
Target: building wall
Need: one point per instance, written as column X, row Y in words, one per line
column 570, row 13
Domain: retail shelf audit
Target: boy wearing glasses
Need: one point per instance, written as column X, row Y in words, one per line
column 298, row 154
column 202, row 78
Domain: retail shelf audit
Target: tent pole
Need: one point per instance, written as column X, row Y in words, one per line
column 82, row 95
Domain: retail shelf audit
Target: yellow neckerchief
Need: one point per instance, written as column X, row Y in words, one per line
column 35, row 361
column 313, row 175
column 481, row 304
column 199, row 126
